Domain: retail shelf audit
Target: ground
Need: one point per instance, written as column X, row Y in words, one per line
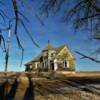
column 31, row 86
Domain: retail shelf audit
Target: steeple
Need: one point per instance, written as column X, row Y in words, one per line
column 48, row 47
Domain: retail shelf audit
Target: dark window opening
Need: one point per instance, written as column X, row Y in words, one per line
column 65, row 64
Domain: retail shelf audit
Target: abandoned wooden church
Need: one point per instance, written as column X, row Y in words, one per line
column 53, row 59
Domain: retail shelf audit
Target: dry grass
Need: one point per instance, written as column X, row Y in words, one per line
column 26, row 86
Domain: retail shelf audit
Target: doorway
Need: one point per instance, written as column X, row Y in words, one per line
column 52, row 65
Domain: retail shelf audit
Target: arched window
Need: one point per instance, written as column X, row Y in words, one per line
column 65, row 63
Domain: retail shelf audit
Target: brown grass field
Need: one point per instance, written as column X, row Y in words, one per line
column 31, row 86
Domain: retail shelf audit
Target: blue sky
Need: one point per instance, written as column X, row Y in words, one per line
column 58, row 33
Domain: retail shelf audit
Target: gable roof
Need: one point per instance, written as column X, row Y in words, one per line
column 58, row 49
column 70, row 54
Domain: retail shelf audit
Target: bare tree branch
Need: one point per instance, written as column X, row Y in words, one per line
column 87, row 57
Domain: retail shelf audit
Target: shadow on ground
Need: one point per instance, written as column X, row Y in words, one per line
column 29, row 94
column 8, row 91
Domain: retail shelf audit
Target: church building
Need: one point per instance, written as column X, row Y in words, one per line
column 53, row 59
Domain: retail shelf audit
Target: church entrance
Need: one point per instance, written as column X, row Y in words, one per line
column 52, row 65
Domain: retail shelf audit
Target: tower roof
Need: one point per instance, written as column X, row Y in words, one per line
column 48, row 47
